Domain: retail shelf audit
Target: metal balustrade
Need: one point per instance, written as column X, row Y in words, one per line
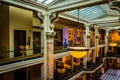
column 102, row 42
column 60, row 50
column 19, row 57
column 92, row 66
column 111, row 54
column 68, row 73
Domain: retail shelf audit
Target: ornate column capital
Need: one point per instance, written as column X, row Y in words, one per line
column 115, row 5
column 53, row 17
column 50, row 36
column 39, row 15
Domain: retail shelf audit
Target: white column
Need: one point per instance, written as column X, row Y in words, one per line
column 106, row 41
column 42, row 71
column 42, row 41
column 96, row 44
column 47, row 40
column 87, row 37
column 45, row 46
column 84, row 76
column 48, row 48
column 87, row 44
column 101, row 51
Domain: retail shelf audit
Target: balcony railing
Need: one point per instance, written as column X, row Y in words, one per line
column 92, row 66
column 110, row 54
column 92, row 44
column 101, row 42
column 60, row 49
column 19, row 55
column 68, row 73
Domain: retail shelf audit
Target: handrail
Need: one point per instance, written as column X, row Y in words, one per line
column 19, row 58
column 102, row 42
column 68, row 74
column 93, row 66
column 112, row 55
column 7, row 60
column 2, row 51
column 60, row 50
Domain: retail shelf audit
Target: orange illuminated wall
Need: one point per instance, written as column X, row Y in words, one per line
column 70, row 34
column 91, row 36
column 114, row 36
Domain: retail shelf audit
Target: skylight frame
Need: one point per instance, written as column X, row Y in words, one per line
column 46, row 2
column 89, row 13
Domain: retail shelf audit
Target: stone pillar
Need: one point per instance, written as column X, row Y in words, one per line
column 42, row 41
column 43, row 18
column 85, row 61
column 47, row 20
column 106, row 41
column 96, row 44
column 101, row 51
column 45, row 46
column 49, row 33
column 85, row 76
column 50, row 55
column 87, row 44
column 42, row 70
column 87, row 37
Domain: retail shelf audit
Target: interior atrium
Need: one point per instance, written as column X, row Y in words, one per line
column 59, row 39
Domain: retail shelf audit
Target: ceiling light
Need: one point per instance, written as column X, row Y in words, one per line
column 78, row 52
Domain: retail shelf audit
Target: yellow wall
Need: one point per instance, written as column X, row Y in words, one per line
column 20, row 19
column 4, row 30
column 114, row 36
column 92, row 40
column 36, row 22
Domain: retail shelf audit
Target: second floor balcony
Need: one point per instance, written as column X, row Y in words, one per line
column 18, row 55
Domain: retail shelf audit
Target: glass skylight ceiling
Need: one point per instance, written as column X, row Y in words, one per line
column 45, row 1
column 89, row 13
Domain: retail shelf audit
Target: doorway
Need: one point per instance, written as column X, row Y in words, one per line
column 20, row 74
column 36, row 42
column 19, row 41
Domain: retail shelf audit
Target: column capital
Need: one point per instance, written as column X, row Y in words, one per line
column 53, row 17
column 95, row 26
column 50, row 36
column 39, row 15
column 115, row 5
column 87, row 24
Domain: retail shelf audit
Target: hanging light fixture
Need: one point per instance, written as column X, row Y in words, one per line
column 113, row 43
column 78, row 52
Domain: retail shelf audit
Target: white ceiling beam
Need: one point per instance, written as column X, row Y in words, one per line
column 72, row 18
column 105, row 20
column 71, row 5
column 14, row 3
column 114, row 28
